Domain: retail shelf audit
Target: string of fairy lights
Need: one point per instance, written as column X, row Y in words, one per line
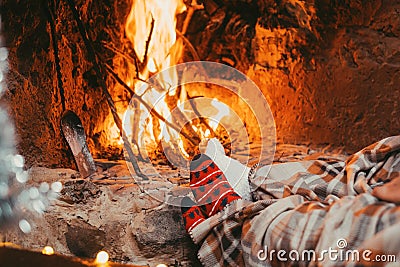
column 17, row 200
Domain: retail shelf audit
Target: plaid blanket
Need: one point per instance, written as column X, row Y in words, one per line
column 312, row 213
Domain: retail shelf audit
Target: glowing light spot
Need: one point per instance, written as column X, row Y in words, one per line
column 102, row 257
column 34, row 193
column 7, row 210
column 25, row 226
column 19, row 161
column 162, row 265
column 3, row 190
column 44, row 187
column 38, row 206
column 3, row 53
column 22, row 177
column 47, row 250
column 56, row 187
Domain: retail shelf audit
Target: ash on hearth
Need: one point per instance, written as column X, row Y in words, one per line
column 79, row 191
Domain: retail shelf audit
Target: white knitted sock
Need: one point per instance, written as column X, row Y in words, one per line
column 235, row 172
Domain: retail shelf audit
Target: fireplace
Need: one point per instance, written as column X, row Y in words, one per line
column 326, row 69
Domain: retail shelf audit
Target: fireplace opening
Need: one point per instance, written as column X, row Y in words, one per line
column 326, row 74
column 307, row 58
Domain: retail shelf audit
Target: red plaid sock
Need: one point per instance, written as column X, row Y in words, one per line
column 209, row 186
column 191, row 213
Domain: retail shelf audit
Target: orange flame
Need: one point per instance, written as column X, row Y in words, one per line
column 161, row 51
column 151, row 28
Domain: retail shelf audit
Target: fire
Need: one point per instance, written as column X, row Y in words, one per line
column 151, row 28
column 162, row 50
column 114, row 135
column 222, row 109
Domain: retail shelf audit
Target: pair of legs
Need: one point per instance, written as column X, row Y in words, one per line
column 213, row 191
column 301, row 207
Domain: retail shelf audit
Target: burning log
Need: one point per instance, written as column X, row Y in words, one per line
column 202, row 120
column 151, row 110
column 145, row 59
column 180, row 119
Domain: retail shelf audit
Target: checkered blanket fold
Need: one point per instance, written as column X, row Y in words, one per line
column 304, row 210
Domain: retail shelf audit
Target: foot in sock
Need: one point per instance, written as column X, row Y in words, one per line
column 209, row 186
column 235, row 172
column 191, row 213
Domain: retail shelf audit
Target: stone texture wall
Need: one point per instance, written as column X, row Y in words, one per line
column 35, row 98
column 329, row 69
column 347, row 92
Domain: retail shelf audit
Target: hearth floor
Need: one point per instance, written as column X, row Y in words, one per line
column 113, row 213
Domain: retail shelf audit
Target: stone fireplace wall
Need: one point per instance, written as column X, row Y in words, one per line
column 329, row 69
column 35, row 98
